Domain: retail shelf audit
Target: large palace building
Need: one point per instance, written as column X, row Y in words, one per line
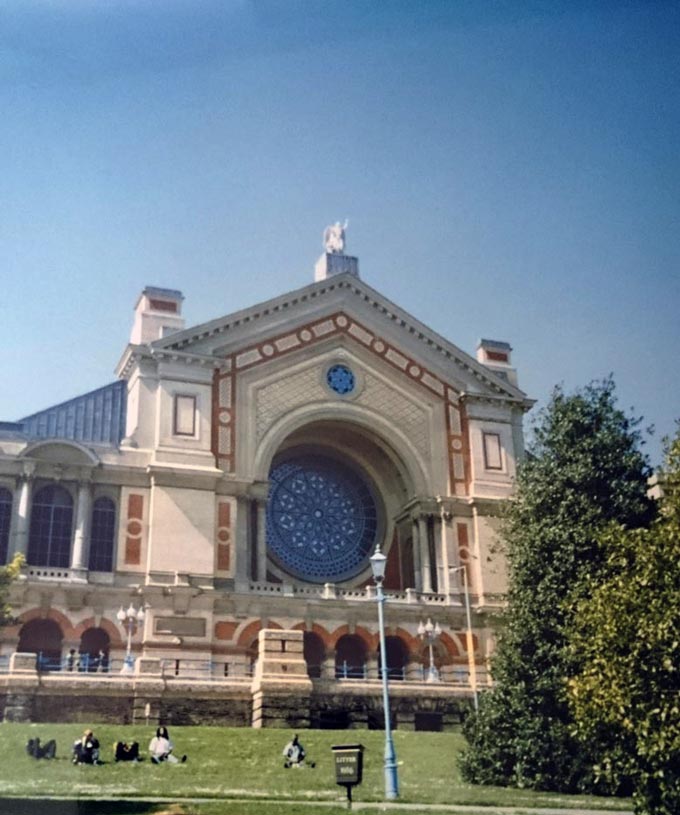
column 197, row 534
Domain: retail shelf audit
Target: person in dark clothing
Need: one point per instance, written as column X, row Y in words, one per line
column 86, row 749
column 37, row 750
column 294, row 753
column 123, row 751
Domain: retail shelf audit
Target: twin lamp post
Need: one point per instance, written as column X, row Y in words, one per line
column 129, row 619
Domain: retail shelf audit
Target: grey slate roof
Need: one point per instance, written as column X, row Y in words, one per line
column 97, row 417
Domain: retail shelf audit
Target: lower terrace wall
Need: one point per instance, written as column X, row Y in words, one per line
column 348, row 704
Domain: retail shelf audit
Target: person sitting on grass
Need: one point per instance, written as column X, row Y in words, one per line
column 86, row 749
column 161, row 748
column 122, row 751
column 294, row 753
column 37, row 750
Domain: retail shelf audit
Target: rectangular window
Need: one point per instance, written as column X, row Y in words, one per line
column 184, row 422
column 493, row 459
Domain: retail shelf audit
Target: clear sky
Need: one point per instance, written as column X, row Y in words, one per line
column 509, row 169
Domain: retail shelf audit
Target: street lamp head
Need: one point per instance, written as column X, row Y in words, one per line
column 120, row 616
column 140, row 615
column 131, row 612
column 378, row 563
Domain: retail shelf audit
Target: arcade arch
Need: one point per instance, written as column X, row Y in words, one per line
column 44, row 638
column 335, row 488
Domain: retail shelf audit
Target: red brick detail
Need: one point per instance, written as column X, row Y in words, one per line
column 60, row 619
column 136, row 506
column 462, row 531
column 249, row 634
column 317, row 629
column 453, row 645
column 268, row 350
column 224, row 514
column 225, row 630
column 370, row 640
column 411, row 642
column 497, row 356
column 223, row 536
column 223, row 557
column 133, row 551
column 163, row 305
column 223, row 419
column 107, row 625
column 134, row 528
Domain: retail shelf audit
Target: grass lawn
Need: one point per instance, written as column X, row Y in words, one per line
column 241, row 763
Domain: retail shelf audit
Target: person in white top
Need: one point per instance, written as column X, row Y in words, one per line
column 161, row 748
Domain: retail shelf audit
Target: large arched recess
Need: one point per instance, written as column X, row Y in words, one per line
column 391, row 467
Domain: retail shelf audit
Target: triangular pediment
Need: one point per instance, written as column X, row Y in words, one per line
column 342, row 304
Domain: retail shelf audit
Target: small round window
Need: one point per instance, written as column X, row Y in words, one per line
column 340, row 379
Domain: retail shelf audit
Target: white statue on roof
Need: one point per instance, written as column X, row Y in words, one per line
column 334, row 238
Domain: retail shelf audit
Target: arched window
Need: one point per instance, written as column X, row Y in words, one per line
column 49, row 542
column 350, row 657
column 102, row 535
column 5, row 519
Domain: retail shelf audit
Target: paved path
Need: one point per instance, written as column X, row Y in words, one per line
column 393, row 808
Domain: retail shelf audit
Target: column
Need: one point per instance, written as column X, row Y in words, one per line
column 424, row 555
column 21, row 509
column 373, row 666
column 443, row 564
column 81, row 540
column 415, row 543
column 262, row 541
column 328, row 666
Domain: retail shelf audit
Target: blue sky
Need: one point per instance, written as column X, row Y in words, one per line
column 509, row 169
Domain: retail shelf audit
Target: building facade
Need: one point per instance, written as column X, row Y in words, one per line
column 233, row 483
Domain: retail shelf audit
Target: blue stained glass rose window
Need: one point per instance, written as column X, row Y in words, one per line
column 322, row 519
column 340, row 379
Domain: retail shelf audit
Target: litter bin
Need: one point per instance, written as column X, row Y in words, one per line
column 348, row 766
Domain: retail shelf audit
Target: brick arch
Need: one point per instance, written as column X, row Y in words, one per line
column 368, row 639
column 107, row 625
column 60, row 619
column 411, row 642
column 456, row 645
column 250, row 631
column 317, row 629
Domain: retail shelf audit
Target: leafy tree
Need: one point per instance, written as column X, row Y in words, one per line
column 625, row 696
column 8, row 573
column 584, row 469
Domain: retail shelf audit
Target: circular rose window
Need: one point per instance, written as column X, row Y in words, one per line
column 322, row 518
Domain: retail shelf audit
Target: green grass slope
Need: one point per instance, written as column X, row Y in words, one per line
column 226, row 763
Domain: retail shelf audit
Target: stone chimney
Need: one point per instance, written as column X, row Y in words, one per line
column 157, row 314
column 497, row 357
